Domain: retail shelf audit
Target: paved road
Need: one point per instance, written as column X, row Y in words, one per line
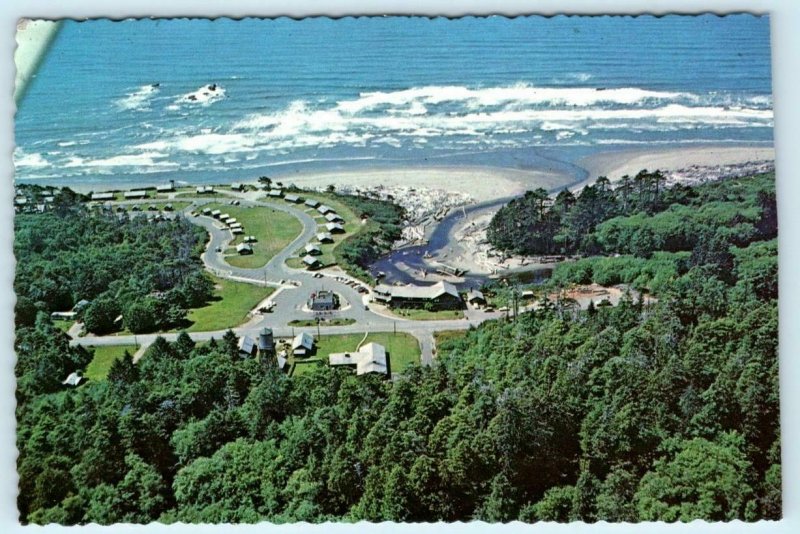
column 296, row 287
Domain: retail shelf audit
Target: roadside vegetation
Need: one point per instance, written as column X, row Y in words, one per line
column 421, row 314
column 339, row 321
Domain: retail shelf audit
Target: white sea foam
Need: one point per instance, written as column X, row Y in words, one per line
column 146, row 159
column 442, row 116
column 32, row 161
column 138, row 100
column 204, row 96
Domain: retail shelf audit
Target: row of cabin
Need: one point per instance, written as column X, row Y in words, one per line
column 439, row 296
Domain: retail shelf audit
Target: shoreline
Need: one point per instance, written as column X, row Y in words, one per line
column 481, row 183
column 616, row 163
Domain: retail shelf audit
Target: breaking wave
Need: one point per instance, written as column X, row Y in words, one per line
column 138, row 100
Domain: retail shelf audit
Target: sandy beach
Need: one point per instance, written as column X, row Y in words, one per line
column 480, row 183
column 616, row 164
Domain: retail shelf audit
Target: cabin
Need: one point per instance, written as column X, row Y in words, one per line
column 311, row 203
column 247, row 347
column 439, row 296
column 216, row 214
column 102, row 196
column 281, row 362
column 165, row 188
column 275, row 193
column 229, row 220
column 311, row 262
column 169, row 207
column 313, row 249
column 243, row 249
column 324, row 237
column 335, row 228
column 476, row 298
column 236, row 186
column 133, row 195
column 63, row 315
column 237, row 231
column 250, row 239
column 323, row 301
column 235, row 226
column 333, row 217
column 370, row 358
column 294, row 199
column 324, row 210
column 206, row 211
column 205, row 190
column 303, row 344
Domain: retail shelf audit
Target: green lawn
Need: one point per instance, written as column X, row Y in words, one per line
column 104, row 356
column 331, row 322
column 403, row 349
column 352, row 224
column 425, row 315
column 233, row 301
column 446, row 335
column 273, row 229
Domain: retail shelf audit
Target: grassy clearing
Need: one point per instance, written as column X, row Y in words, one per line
column 403, row 350
column 341, row 321
column 273, row 229
column 443, row 336
column 104, row 356
column 425, row 315
column 232, row 301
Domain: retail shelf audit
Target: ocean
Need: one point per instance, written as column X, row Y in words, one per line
column 197, row 101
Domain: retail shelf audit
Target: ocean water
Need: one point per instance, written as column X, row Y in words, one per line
column 199, row 101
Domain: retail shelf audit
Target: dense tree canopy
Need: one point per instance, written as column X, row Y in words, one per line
column 147, row 271
column 637, row 216
column 660, row 411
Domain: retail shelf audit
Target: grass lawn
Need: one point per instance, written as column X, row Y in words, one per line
column 425, row 315
column 233, row 300
column 443, row 336
column 403, row 349
column 273, row 229
column 104, row 356
column 330, row 322
column 352, row 224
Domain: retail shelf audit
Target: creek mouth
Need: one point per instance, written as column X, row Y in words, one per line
column 407, row 265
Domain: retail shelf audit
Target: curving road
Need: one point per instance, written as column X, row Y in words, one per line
column 294, row 288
